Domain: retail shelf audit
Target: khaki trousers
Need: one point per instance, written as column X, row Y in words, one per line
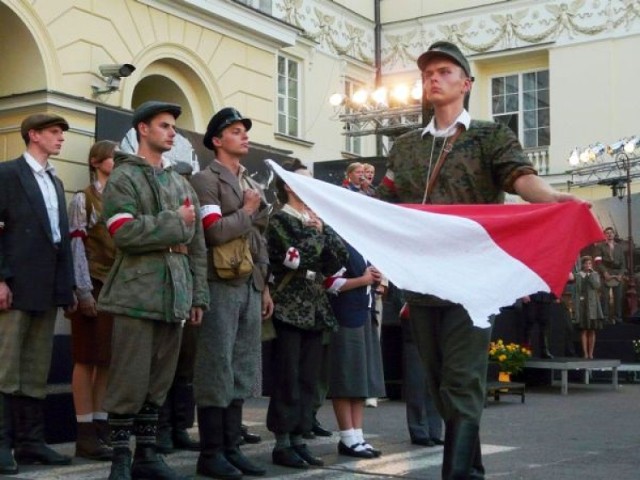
column 26, row 343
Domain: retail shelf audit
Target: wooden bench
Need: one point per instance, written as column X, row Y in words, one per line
column 566, row 364
column 495, row 388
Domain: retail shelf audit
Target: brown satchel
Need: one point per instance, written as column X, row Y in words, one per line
column 233, row 259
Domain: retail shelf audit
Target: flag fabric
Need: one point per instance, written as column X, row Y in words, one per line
column 483, row 257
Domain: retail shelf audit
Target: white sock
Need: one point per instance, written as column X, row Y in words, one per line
column 87, row 418
column 347, row 437
column 100, row 416
column 357, row 432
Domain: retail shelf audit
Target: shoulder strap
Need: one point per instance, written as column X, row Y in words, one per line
column 438, row 166
column 285, row 280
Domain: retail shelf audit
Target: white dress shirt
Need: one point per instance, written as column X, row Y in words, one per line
column 463, row 119
column 43, row 176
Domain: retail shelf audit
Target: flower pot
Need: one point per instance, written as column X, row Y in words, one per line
column 504, row 377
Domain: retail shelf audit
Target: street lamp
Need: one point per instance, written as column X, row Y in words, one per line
column 387, row 110
column 614, row 165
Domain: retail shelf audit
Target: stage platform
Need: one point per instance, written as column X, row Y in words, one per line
column 564, row 364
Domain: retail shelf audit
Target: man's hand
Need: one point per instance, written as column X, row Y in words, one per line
column 196, row 316
column 6, row 297
column 267, row 303
column 526, row 299
column 251, row 201
column 188, row 213
column 88, row 307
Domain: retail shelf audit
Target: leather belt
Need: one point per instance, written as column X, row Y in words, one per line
column 183, row 249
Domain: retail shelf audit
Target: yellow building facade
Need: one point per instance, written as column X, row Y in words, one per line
column 559, row 73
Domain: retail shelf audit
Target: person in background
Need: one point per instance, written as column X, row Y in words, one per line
column 611, row 267
column 36, row 278
column 355, row 179
column 423, row 420
column 302, row 252
column 234, row 209
column 537, row 308
column 369, row 175
column 93, row 255
column 157, row 283
column 354, row 353
column 456, row 160
column 587, row 304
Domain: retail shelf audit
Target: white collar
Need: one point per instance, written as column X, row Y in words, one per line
column 36, row 166
column 463, row 119
column 302, row 216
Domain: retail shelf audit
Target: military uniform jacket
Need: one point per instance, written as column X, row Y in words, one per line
column 483, row 164
column 306, row 257
column 217, row 187
column 149, row 279
column 38, row 272
column 613, row 261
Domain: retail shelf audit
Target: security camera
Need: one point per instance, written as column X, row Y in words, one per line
column 117, row 70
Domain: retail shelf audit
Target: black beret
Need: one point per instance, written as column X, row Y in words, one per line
column 444, row 49
column 40, row 121
column 153, row 107
column 222, row 120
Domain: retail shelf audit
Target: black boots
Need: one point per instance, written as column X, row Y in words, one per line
column 232, row 434
column 147, row 464
column 8, row 465
column 28, row 421
column 462, row 458
column 176, row 416
column 89, row 445
column 544, row 343
column 212, row 463
column 121, row 427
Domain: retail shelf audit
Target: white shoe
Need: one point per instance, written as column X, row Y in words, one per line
column 371, row 402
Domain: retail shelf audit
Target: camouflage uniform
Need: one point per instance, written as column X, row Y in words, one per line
column 149, row 280
column 302, row 312
column 485, row 162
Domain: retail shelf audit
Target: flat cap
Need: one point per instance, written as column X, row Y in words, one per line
column 38, row 121
column 152, row 108
column 444, row 49
column 221, row 120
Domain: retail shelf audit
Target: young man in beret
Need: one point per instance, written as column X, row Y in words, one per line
column 469, row 162
column 228, row 353
column 158, row 282
column 36, row 278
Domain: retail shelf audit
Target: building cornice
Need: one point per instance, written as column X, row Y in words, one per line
column 235, row 20
column 506, row 26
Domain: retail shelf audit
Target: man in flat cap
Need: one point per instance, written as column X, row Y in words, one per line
column 158, row 282
column 36, row 278
column 234, row 212
column 456, row 160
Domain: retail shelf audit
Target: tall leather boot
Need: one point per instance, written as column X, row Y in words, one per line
column 120, row 427
column 8, row 465
column 211, row 462
column 477, row 468
column 543, row 340
column 88, row 443
column 449, row 439
column 232, row 433
column 147, row 464
column 28, row 422
column 464, row 449
column 164, row 441
column 183, row 413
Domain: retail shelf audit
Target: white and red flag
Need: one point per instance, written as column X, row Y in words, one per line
column 481, row 256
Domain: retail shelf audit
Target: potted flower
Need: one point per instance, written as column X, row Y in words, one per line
column 509, row 357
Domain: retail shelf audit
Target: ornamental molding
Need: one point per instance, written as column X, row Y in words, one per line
column 518, row 24
column 335, row 29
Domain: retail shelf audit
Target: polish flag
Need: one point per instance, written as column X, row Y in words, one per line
column 482, row 256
